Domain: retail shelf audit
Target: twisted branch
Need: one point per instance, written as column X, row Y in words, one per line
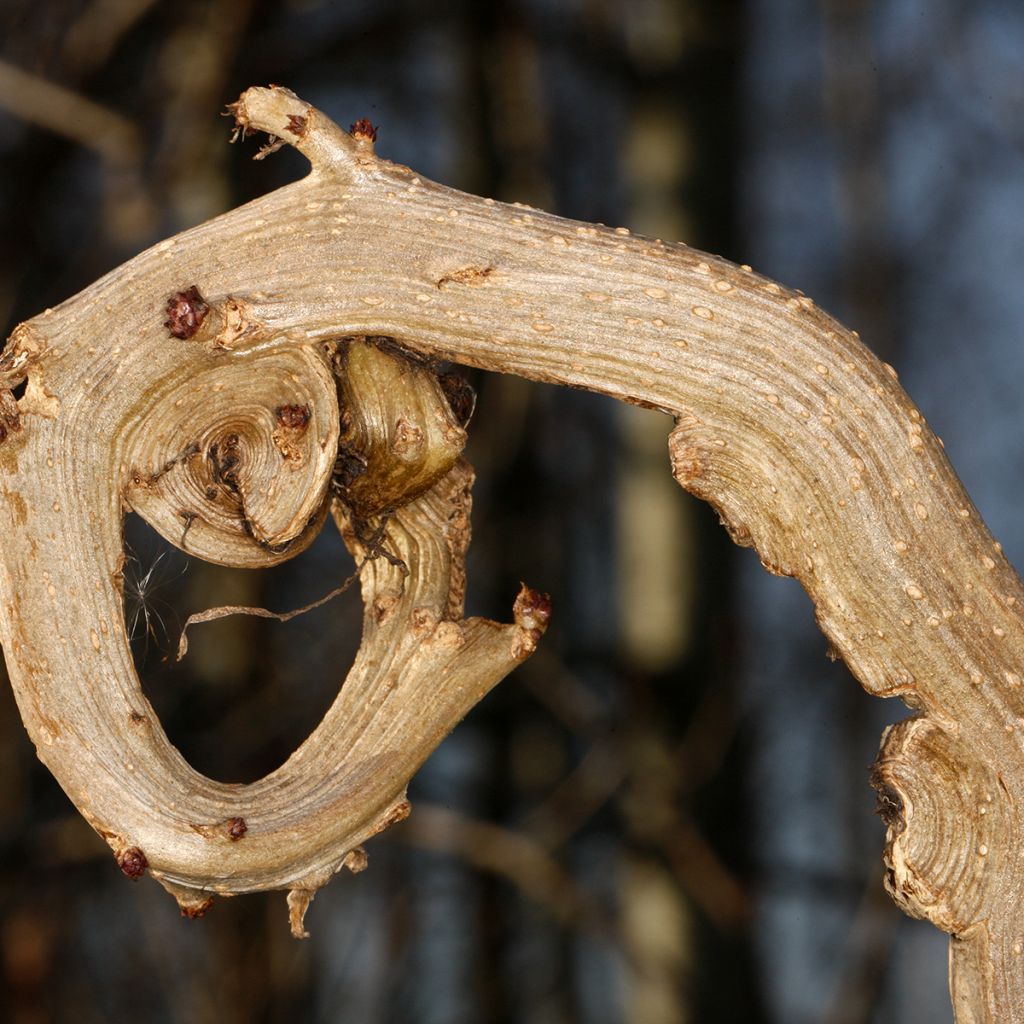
column 797, row 434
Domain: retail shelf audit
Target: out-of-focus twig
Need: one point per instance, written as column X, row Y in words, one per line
column 94, row 34
column 657, row 804
column 196, row 60
column 512, row 855
column 709, row 736
column 859, row 985
column 709, row 882
column 553, row 684
column 65, row 112
column 579, row 795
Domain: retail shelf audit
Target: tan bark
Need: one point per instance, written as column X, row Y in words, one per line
column 795, row 432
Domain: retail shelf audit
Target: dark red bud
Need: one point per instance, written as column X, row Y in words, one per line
column 186, row 312
column 363, row 129
column 133, row 862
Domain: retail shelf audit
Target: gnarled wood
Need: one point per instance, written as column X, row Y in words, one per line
column 233, row 459
column 795, row 432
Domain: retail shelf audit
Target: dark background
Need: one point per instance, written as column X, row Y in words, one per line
column 663, row 816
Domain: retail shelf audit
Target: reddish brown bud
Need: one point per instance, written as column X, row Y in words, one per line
column 186, row 312
column 196, row 910
column 363, row 129
column 132, row 862
column 236, row 828
column 295, row 417
column 532, row 610
column 296, row 124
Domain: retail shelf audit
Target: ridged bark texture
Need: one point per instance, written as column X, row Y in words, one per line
column 800, row 438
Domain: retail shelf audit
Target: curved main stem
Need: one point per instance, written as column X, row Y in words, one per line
column 785, row 422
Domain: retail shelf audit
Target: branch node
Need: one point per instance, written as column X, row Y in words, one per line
column 286, row 119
